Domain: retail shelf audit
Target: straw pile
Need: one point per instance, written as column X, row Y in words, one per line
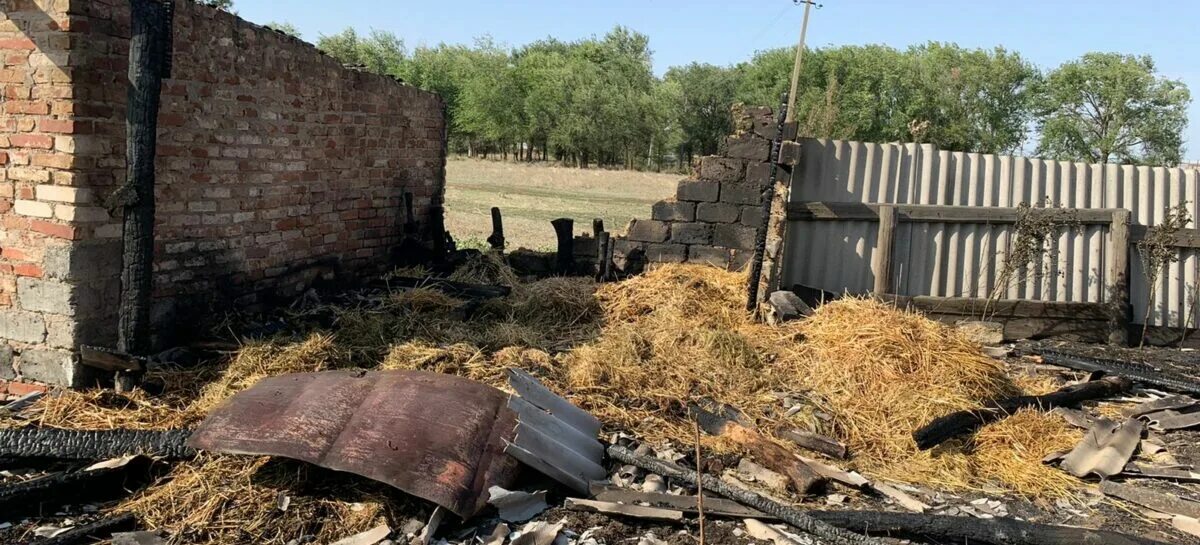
column 632, row 353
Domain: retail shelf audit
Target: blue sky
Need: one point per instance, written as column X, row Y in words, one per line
column 1047, row 32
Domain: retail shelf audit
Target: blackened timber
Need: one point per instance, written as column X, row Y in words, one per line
column 760, row 236
column 597, row 227
column 437, row 232
column 947, row 427
column 814, row 442
column 496, row 239
column 803, row 478
column 564, row 229
column 410, row 217
column 1134, row 371
column 796, row 518
column 92, row 445
column 951, row 529
column 45, row 493
column 603, row 240
column 96, row 531
column 149, row 57
column 712, row 505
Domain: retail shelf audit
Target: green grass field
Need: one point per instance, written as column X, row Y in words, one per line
column 530, row 195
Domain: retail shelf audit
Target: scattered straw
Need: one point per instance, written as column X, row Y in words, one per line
column 632, row 353
column 234, row 499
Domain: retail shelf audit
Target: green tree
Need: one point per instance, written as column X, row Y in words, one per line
column 490, row 102
column 766, row 76
column 380, row 51
column 971, row 99
column 1109, row 107
column 960, row 99
column 703, row 95
column 286, row 28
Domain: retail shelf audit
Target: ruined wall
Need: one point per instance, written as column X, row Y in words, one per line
column 715, row 214
column 35, row 144
column 275, row 164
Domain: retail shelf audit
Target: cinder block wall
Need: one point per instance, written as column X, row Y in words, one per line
column 275, row 165
column 714, row 216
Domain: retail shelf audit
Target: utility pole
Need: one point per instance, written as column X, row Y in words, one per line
column 791, row 103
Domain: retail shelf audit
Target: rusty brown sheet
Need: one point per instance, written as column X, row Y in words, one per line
column 435, row 436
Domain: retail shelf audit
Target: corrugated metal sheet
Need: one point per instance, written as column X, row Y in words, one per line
column 966, row 260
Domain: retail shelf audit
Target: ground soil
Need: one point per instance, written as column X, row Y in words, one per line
column 531, row 194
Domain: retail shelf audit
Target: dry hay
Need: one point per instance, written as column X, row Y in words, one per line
column 878, row 373
column 632, row 353
column 235, row 499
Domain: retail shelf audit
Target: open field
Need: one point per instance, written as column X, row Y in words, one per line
column 530, row 195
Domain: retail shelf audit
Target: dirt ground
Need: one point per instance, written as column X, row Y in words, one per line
column 530, row 195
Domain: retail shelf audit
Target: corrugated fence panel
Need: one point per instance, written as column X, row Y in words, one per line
column 958, row 259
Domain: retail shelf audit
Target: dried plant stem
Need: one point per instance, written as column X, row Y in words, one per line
column 699, row 489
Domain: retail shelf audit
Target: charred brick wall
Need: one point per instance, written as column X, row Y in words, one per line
column 275, row 164
column 715, row 214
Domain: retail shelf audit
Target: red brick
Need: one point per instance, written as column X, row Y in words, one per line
column 27, row 269
column 18, row 43
column 14, row 388
column 14, row 254
column 28, row 107
column 56, row 230
column 37, row 141
column 61, row 126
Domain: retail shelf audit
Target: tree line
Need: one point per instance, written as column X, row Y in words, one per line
column 596, row 101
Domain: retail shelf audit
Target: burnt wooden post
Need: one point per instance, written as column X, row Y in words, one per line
column 597, row 227
column 564, row 229
column 437, row 232
column 768, row 197
column 149, row 63
column 496, row 239
column 885, row 241
column 1118, row 278
column 410, row 218
column 603, row 240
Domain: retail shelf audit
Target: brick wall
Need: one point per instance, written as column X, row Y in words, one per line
column 714, row 215
column 275, row 164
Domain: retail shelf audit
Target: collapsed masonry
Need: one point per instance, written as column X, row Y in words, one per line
column 276, row 166
column 715, row 216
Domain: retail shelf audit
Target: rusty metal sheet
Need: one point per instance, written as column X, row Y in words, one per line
column 435, row 436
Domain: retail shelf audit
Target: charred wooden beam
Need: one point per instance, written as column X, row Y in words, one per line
column 34, row 496
column 1134, row 371
column 603, row 241
column 610, row 264
column 597, row 227
column 969, row 530
column 149, row 62
column 437, row 232
column 959, row 423
column 450, row 287
column 564, row 229
column 814, row 442
column 496, row 239
column 713, row 506
column 794, row 517
column 410, row 217
column 771, row 455
column 92, row 445
column 760, row 237
column 101, row 530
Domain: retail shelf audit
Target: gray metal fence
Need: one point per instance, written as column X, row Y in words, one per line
column 965, row 260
